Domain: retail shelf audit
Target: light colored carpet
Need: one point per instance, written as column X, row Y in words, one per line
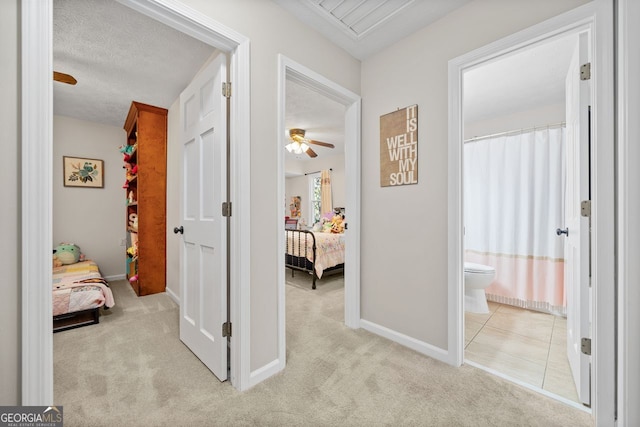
column 132, row 370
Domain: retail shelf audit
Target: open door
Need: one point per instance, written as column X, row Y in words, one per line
column 577, row 221
column 203, row 264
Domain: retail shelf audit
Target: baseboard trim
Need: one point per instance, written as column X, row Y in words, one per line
column 115, row 277
column 265, row 372
column 172, row 295
column 407, row 341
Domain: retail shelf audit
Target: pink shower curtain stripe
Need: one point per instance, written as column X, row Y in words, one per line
column 525, row 282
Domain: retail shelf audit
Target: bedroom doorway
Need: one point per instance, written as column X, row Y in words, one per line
column 37, row 365
column 585, row 19
column 304, row 79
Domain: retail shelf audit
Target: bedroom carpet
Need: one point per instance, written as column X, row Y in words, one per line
column 132, row 370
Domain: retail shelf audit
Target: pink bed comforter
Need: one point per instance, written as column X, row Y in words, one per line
column 78, row 287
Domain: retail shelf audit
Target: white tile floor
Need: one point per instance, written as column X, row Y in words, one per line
column 526, row 345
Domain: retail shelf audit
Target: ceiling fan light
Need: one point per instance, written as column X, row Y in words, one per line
column 290, row 147
column 303, row 147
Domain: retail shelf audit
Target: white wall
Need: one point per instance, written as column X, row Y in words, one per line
column 404, row 268
column 92, row 218
column 542, row 116
column 10, row 248
column 299, row 185
column 272, row 31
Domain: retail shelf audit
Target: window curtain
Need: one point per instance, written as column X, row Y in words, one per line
column 325, row 192
column 514, row 188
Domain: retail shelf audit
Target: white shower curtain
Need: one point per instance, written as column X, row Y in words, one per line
column 514, row 189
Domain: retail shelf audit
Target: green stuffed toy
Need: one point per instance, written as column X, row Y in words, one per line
column 68, row 253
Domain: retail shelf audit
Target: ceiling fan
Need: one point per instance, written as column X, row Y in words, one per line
column 300, row 144
column 64, row 78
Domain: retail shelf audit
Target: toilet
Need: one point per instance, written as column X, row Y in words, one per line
column 476, row 279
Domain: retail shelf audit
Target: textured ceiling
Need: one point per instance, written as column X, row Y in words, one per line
column 118, row 56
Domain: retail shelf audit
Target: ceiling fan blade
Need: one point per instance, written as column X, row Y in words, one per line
column 64, row 78
column 323, row 144
column 311, row 153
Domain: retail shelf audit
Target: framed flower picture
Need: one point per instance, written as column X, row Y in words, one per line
column 81, row 172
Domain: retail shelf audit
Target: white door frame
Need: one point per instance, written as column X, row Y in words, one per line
column 598, row 17
column 289, row 69
column 36, row 166
column 628, row 214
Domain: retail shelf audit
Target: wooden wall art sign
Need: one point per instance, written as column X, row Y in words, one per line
column 399, row 147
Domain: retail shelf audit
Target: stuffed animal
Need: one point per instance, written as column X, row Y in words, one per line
column 337, row 224
column 133, row 221
column 132, row 250
column 127, row 150
column 56, row 261
column 132, row 170
column 68, row 253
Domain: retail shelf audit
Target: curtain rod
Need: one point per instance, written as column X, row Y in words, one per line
column 514, row 132
column 311, row 173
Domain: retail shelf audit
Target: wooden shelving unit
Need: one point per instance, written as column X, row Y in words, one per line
column 146, row 128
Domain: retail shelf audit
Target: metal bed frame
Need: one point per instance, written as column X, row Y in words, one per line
column 297, row 241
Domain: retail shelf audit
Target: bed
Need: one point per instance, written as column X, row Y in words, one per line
column 315, row 253
column 78, row 293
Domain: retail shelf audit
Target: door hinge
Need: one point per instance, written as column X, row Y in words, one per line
column 585, row 208
column 585, row 346
column 226, row 208
column 226, row 89
column 226, row 329
column 585, row 71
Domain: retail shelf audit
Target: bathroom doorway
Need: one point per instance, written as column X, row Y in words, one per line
column 517, row 188
column 600, row 309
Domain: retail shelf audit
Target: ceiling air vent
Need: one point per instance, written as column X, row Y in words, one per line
column 358, row 17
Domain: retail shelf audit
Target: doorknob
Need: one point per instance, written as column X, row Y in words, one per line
column 178, row 230
column 560, row 231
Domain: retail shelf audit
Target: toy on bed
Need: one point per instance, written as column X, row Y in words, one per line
column 79, row 290
column 56, row 260
column 68, row 253
column 337, row 224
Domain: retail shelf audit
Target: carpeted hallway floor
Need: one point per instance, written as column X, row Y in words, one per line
column 132, row 370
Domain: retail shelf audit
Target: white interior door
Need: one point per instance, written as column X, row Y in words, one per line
column 577, row 239
column 203, row 266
